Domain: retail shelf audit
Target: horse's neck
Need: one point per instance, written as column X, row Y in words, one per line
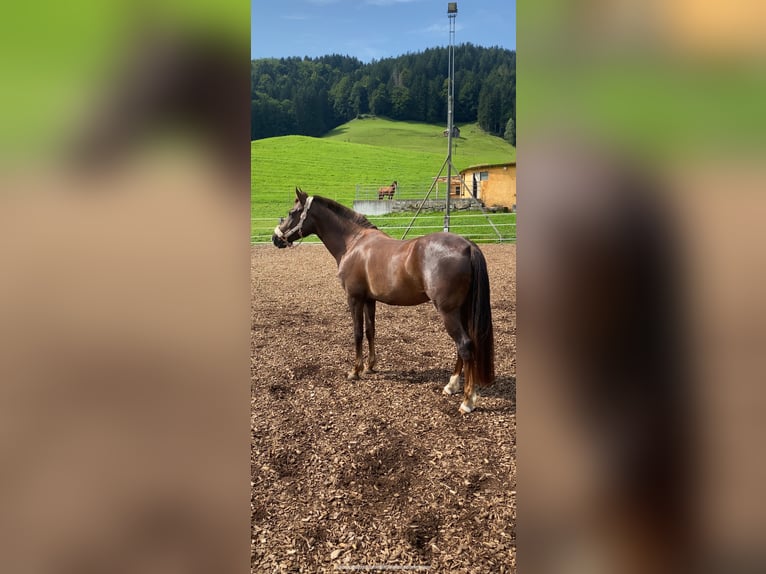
column 337, row 233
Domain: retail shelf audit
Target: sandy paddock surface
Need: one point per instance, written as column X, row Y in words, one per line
column 384, row 470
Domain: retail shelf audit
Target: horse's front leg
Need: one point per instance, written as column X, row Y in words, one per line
column 369, row 329
column 357, row 314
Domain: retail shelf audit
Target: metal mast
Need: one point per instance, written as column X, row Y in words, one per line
column 451, row 14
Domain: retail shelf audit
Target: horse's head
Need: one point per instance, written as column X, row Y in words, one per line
column 295, row 226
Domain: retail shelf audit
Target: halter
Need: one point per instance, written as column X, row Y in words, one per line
column 298, row 226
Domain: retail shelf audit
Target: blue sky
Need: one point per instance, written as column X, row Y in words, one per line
column 374, row 29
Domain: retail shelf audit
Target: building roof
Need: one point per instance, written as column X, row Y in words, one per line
column 488, row 165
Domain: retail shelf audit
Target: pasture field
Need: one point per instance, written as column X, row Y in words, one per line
column 383, row 470
column 329, row 168
column 472, row 147
column 472, row 225
column 380, row 151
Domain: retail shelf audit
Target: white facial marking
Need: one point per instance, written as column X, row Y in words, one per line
column 278, row 232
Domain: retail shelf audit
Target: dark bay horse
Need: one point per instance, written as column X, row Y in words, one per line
column 443, row 268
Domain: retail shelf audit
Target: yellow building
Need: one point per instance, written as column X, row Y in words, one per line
column 493, row 184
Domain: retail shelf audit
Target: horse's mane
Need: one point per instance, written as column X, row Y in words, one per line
column 344, row 212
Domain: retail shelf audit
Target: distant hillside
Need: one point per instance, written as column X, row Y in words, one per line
column 472, row 147
column 371, row 151
column 310, row 96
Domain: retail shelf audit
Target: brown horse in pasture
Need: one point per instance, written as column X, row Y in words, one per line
column 387, row 191
column 443, row 268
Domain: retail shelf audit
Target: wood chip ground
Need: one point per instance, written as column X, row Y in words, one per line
column 384, row 470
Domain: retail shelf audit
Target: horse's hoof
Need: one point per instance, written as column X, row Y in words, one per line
column 353, row 376
column 465, row 409
column 368, row 370
column 448, row 391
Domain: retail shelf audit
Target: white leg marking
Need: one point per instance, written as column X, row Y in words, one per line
column 467, row 406
column 453, row 386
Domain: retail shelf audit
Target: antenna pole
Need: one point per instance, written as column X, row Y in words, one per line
column 451, row 14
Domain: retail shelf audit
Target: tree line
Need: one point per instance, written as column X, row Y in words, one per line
column 310, row 96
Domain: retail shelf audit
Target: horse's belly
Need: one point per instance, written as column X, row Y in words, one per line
column 400, row 297
column 390, row 278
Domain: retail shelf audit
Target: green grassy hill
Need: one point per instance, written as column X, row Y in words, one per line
column 329, row 168
column 471, row 148
column 366, row 152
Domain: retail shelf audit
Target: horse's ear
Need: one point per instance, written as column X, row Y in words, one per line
column 302, row 197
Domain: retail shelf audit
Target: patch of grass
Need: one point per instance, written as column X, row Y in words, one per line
column 474, row 146
column 470, row 224
column 379, row 151
column 329, row 168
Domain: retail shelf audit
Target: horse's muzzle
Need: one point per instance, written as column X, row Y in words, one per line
column 279, row 241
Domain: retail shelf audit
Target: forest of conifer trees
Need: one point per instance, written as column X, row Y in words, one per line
column 310, row 96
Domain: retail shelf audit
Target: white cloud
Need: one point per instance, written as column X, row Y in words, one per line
column 389, row 2
column 296, row 16
column 369, row 53
column 438, row 28
column 368, row 2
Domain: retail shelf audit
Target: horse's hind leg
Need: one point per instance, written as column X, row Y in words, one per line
column 369, row 329
column 458, row 333
column 454, row 381
column 469, row 393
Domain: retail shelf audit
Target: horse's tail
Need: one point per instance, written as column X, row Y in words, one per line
column 478, row 314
